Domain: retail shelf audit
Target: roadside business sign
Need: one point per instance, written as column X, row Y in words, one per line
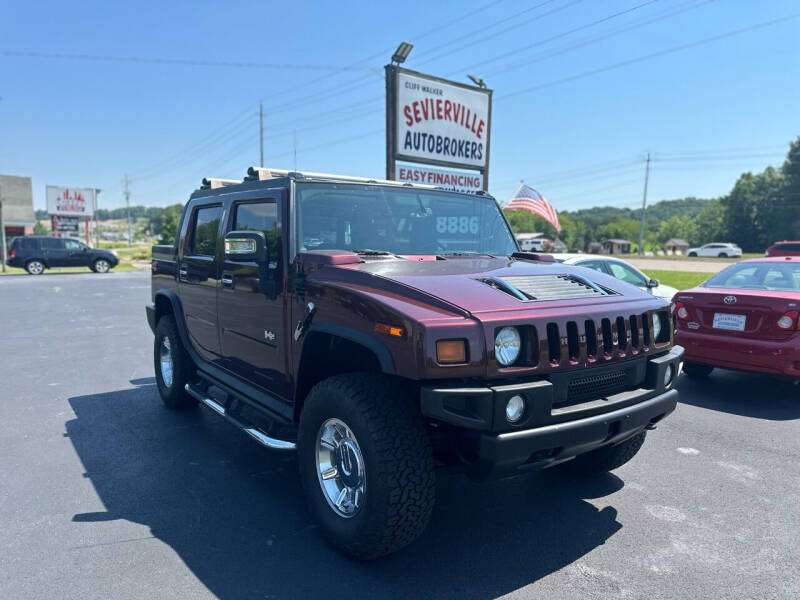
column 66, row 224
column 435, row 121
column 70, row 201
column 459, row 181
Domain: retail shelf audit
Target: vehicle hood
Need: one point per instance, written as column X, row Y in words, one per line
column 470, row 283
column 667, row 292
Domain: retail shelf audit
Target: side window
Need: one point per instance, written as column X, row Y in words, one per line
column 74, row 246
column 263, row 217
column 205, row 229
column 625, row 273
column 52, row 244
column 592, row 264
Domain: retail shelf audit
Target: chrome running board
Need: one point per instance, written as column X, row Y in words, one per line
column 258, row 435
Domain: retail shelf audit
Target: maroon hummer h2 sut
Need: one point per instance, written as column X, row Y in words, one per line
column 383, row 329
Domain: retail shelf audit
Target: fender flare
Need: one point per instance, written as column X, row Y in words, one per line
column 381, row 352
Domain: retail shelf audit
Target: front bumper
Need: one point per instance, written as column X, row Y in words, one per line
column 775, row 357
column 553, row 429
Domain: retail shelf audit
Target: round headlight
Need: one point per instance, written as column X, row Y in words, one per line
column 656, row 326
column 515, row 409
column 507, row 345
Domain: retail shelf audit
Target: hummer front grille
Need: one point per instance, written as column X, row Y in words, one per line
column 595, row 386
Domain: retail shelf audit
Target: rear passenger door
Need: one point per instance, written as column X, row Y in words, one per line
column 198, row 277
column 55, row 252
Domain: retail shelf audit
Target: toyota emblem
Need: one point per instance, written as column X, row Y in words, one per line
column 729, row 299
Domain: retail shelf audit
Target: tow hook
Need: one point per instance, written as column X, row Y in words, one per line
column 302, row 326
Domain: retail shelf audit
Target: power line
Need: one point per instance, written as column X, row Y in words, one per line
column 650, row 56
column 183, row 61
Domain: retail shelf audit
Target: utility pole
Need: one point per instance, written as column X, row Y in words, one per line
column 644, row 204
column 125, row 182
column 96, row 229
column 261, row 131
column 2, row 231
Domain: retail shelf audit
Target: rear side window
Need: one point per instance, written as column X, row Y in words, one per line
column 260, row 216
column 52, row 244
column 789, row 247
column 24, row 244
column 204, row 230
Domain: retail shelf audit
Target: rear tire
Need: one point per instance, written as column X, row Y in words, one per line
column 388, row 503
column 172, row 364
column 693, row 254
column 606, row 459
column 696, row 370
column 722, row 255
column 34, row 267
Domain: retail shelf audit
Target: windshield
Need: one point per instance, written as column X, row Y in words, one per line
column 759, row 276
column 400, row 221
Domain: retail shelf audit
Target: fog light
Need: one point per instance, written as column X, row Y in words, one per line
column 668, row 376
column 515, row 409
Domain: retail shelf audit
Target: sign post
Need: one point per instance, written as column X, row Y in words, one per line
column 435, row 121
column 2, row 232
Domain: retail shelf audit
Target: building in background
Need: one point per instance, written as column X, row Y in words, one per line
column 17, row 196
column 616, row 246
column 676, row 246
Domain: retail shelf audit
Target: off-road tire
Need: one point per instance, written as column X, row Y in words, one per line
column 97, row 266
column 696, row 370
column 174, row 396
column 606, row 459
column 692, row 254
column 34, row 267
column 398, row 465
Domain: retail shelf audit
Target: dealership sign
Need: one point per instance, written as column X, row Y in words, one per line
column 451, row 180
column 68, row 201
column 437, row 122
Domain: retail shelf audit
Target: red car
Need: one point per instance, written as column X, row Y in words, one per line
column 783, row 249
column 746, row 317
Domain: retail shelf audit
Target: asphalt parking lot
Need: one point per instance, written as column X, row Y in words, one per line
column 106, row 494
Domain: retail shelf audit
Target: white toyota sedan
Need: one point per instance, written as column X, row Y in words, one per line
column 621, row 270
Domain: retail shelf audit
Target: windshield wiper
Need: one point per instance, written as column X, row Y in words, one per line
column 465, row 253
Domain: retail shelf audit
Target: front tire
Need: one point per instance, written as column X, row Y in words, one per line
column 606, row 459
column 722, row 255
column 34, row 267
column 101, row 265
column 172, row 365
column 696, row 370
column 365, row 464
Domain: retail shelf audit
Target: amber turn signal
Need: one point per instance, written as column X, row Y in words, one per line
column 451, row 351
column 388, row 329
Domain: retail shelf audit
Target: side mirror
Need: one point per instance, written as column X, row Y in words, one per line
column 246, row 246
column 653, row 283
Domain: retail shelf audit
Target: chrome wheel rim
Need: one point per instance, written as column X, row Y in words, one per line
column 35, row 267
column 101, row 266
column 165, row 358
column 340, row 468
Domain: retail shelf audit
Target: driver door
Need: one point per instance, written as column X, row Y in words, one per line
column 77, row 254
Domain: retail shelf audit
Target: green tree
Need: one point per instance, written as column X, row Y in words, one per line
column 677, row 227
column 40, row 229
column 169, row 227
column 710, row 224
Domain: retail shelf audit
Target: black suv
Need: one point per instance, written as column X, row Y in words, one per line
column 37, row 253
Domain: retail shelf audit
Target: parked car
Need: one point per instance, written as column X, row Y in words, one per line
column 717, row 249
column 783, row 249
column 536, row 245
column 414, row 332
column 37, row 253
column 621, row 270
column 746, row 317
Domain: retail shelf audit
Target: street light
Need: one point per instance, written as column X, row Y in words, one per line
column 401, row 54
column 477, row 81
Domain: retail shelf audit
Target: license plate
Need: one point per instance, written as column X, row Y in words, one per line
column 727, row 321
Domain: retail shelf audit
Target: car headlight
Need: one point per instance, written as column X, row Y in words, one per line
column 507, row 345
column 656, row 326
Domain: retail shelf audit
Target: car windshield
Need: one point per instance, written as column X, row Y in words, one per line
column 398, row 220
column 758, row 276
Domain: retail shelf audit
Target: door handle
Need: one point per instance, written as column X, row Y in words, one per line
column 227, row 281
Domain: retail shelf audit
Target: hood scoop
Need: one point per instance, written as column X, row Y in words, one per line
column 538, row 288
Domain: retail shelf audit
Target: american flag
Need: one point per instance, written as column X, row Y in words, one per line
column 529, row 199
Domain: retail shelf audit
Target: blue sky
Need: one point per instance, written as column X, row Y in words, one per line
column 706, row 113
